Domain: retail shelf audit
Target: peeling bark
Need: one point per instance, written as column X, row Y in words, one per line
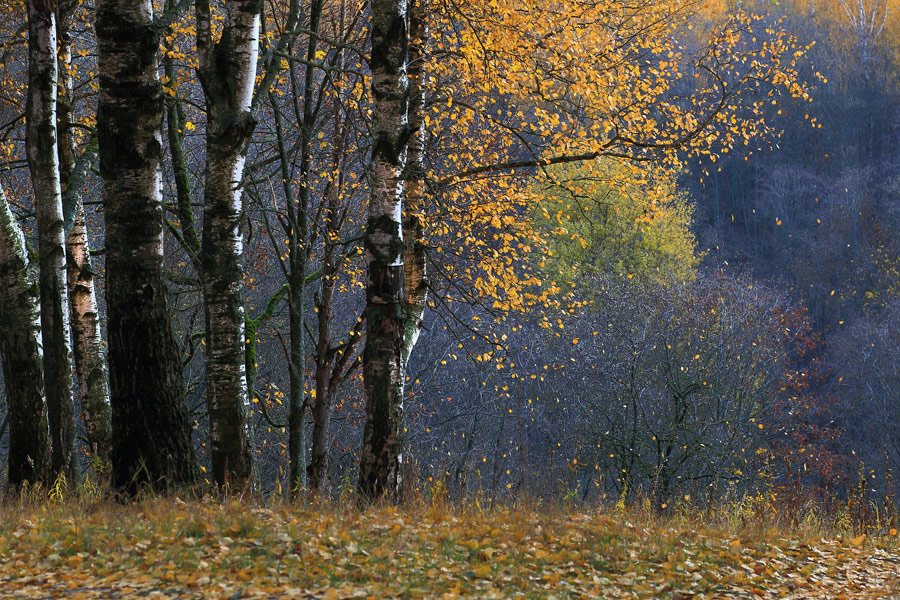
column 379, row 469
column 228, row 74
column 90, row 362
column 43, row 161
column 87, row 346
column 151, row 432
column 20, row 347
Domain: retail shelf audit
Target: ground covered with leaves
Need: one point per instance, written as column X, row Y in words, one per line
column 174, row 549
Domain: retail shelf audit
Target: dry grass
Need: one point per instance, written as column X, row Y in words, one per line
column 84, row 547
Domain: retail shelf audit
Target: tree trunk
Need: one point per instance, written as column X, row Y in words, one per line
column 296, row 230
column 151, row 432
column 380, row 459
column 297, row 365
column 298, row 259
column 415, row 276
column 330, row 360
column 43, row 161
column 325, row 374
column 90, row 363
column 321, row 407
column 87, row 344
column 20, row 346
column 65, row 142
column 228, row 74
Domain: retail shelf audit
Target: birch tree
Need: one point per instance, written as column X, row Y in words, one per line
column 43, row 161
column 90, row 360
column 151, row 434
column 227, row 73
column 20, row 347
column 380, row 459
column 414, row 243
column 87, row 345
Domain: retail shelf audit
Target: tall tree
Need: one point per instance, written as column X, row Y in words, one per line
column 90, row 360
column 298, row 256
column 227, row 73
column 151, row 433
column 380, row 459
column 534, row 91
column 43, row 161
column 414, row 244
column 87, row 344
column 318, row 196
column 335, row 359
column 20, row 347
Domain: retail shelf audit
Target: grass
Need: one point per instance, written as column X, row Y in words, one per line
column 169, row 548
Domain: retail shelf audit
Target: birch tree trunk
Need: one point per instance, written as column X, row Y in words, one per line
column 415, row 275
column 43, row 161
column 65, row 142
column 151, row 432
column 90, row 362
column 20, row 347
column 87, row 345
column 228, row 75
column 380, row 459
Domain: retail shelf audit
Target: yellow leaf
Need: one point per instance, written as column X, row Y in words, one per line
column 482, row 571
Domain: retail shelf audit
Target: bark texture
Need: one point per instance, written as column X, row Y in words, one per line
column 151, row 431
column 20, row 346
column 87, row 345
column 415, row 274
column 90, row 362
column 43, row 161
column 228, row 74
column 65, row 142
column 379, row 469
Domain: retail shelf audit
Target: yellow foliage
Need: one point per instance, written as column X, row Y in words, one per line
column 609, row 219
column 517, row 87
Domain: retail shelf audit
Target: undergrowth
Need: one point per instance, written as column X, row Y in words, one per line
column 234, row 546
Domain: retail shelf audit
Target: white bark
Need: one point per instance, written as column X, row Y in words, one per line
column 43, row 161
column 20, row 346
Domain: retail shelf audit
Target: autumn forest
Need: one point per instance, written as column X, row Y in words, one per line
column 636, row 255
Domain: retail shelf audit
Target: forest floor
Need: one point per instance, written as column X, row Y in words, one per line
column 173, row 549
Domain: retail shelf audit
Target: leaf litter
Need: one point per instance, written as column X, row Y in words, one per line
column 173, row 549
